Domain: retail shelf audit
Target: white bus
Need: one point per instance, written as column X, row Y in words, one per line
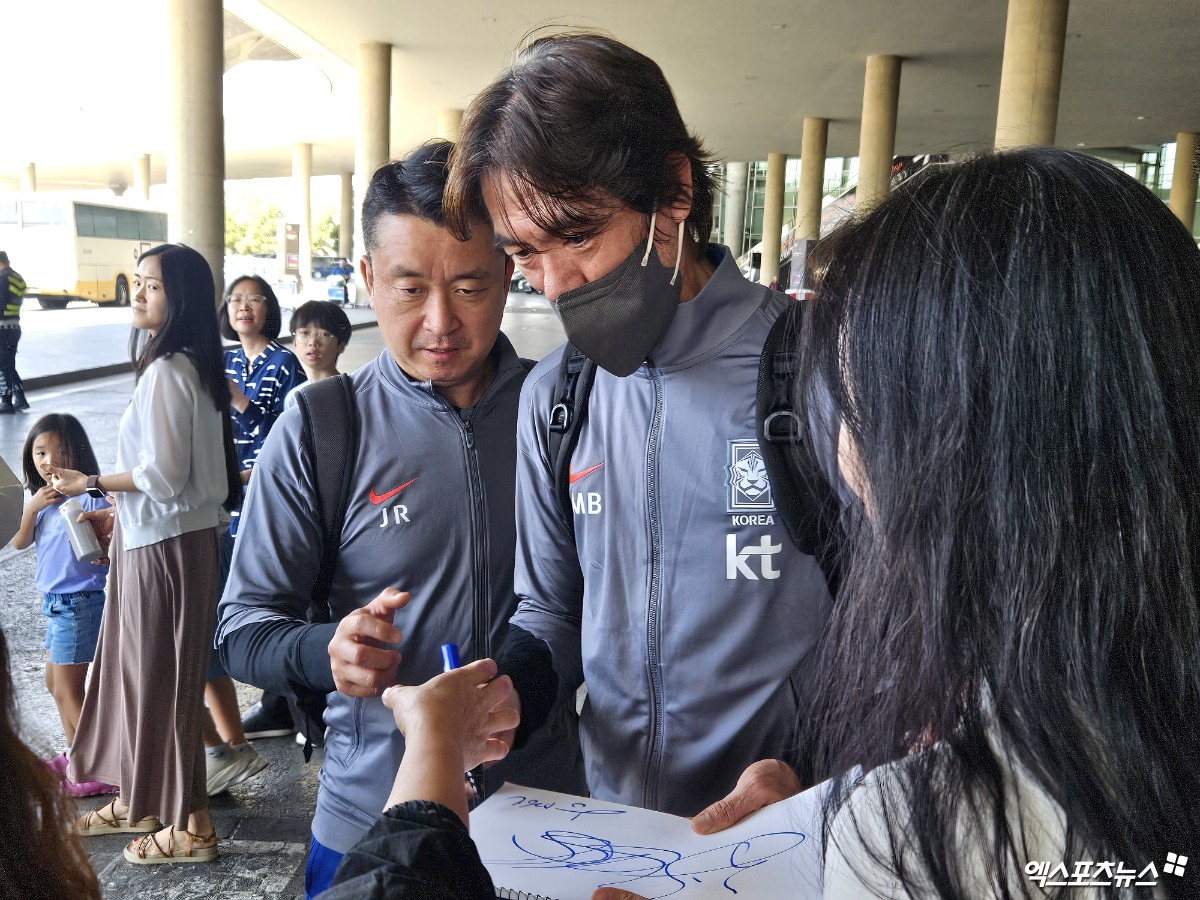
column 68, row 249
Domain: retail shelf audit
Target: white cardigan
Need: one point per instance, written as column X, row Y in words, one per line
column 171, row 439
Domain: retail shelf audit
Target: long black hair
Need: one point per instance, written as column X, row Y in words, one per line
column 190, row 328
column 74, row 440
column 40, row 854
column 1010, row 344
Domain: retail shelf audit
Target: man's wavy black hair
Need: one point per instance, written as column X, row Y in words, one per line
column 580, row 121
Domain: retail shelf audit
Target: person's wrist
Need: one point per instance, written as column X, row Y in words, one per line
column 93, row 487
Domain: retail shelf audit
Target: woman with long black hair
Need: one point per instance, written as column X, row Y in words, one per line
column 1014, row 656
column 177, row 475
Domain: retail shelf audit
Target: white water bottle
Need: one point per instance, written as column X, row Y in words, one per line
column 81, row 534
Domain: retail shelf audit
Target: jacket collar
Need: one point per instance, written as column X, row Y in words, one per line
column 508, row 366
column 711, row 318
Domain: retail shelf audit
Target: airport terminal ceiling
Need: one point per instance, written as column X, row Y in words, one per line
column 86, row 83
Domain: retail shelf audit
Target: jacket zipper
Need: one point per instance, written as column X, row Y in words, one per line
column 480, row 605
column 657, row 726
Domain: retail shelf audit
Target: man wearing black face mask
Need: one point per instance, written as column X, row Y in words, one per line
column 673, row 590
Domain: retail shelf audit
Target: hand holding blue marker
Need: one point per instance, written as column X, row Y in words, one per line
column 451, row 660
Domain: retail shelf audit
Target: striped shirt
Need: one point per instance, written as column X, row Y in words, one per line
column 13, row 286
column 266, row 381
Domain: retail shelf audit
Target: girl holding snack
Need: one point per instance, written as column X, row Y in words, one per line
column 73, row 590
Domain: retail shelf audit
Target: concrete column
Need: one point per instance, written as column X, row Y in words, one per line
column 29, row 178
column 374, row 126
column 812, row 178
column 346, row 228
column 877, row 139
column 1031, row 73
column 141, row 177
column 1183, row 181
column 302, row 157
column 733, row 231
column 196, row 160
column 772, row 217
column 449, row 124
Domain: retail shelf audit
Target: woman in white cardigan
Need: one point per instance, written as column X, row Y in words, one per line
column 177, row 476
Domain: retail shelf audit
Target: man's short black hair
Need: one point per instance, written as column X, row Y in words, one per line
column 411, row 186
column 3, row 258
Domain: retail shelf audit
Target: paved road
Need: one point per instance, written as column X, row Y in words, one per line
column 263, row 823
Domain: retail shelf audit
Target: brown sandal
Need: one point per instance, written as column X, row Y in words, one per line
column 105, row 820
column 194, row 848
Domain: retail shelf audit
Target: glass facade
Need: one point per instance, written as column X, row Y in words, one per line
column 1154, row 169
column 839, row 172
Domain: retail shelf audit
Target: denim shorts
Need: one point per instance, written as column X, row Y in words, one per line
column 72, row 626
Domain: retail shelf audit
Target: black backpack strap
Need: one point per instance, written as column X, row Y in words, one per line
column 803, row 498
column 567, row 414
column 330, row 435
column 331, row 445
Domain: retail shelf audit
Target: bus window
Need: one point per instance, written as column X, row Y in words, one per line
column 105, row 220
column 153, row 226
column 8, row 212
column 83, row 220
column 127, row 224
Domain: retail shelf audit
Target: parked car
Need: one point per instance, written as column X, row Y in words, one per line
column 324, row 266
column 521, row 283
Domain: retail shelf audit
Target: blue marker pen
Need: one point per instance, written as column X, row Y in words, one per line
column 451, row 660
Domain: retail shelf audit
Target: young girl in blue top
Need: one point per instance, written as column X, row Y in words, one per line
column 73, row 590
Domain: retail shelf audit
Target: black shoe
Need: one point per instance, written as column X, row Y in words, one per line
column 6, row 407
column 18, row 401
column 259, row 723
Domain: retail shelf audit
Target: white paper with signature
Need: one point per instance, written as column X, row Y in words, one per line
column 564, row 847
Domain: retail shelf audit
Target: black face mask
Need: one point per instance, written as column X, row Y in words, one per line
column 616, row 320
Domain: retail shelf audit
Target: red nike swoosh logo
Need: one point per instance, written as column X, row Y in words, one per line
column 380, row 498
column 575, row 476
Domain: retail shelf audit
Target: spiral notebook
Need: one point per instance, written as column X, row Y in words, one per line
column 541, row 845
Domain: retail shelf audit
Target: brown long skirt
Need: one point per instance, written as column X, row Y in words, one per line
column 140, row 724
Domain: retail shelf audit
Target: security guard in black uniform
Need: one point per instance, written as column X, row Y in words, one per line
column 12, row 292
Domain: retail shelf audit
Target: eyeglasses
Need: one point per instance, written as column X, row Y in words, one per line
column 320, row 338
column 252, row 299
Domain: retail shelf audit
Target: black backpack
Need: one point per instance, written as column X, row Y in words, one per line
column 803, row 497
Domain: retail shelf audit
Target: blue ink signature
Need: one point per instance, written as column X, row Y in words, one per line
column 661, row 872
column 574, row 810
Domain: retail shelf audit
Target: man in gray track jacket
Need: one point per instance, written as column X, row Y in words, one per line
column 671, row 589
column 430, row 511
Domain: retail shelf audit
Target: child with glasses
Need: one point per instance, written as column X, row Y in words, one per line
column 321, row 331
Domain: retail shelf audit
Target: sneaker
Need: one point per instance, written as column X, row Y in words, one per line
column 230, row 766
column 317, row 742
column 86, row 788
column 258, row 723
